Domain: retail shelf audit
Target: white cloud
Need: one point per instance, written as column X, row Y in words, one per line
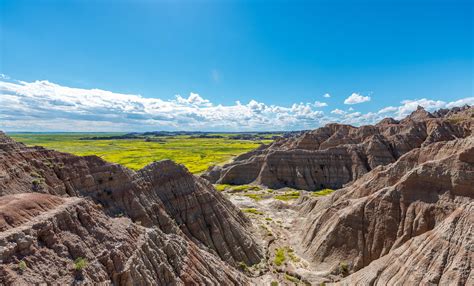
column 338, row 112
column 327, row 95
column 320, row 104
column 388, row 109
column 408, row 106
column 193, row 99
column 468, row 100
column 46, row 106
column 351, row 109
column 356, row 98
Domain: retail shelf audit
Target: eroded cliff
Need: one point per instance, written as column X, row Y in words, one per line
column 161, row 225
column 337, row 154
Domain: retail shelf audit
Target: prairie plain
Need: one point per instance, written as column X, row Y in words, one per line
column 197, row 154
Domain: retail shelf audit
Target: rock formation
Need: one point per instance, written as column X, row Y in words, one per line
column 337, row 154
column 409, row 222
column 161, row 225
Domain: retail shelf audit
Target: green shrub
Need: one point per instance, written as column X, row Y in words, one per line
column 22, row 265
column 279, row 256
column 80, row 263
column 274, row 283
column 343, row 268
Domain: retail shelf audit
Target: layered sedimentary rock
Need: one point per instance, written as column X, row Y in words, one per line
column 168, row 210
column 408, row 222
column 336, row 154
column 442, row 256
column 47, row 233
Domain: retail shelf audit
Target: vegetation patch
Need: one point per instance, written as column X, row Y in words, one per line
column 279, row 256
column 292, row 278
column 22, row 265
column 252, row 211
column 243, row 266
column 256, row 197
column 288, row 196
column 343, row 268
column 197, row 154
column 80, row 263
column 323, row 192
column 221, row 187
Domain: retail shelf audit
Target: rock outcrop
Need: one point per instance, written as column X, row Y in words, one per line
column 161, row 225
column 408, row 222
column 334, row 155
column 47, row 234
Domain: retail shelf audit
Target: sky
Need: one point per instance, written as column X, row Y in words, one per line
column 229, row 65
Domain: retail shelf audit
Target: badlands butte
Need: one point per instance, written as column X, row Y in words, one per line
column 384, row 204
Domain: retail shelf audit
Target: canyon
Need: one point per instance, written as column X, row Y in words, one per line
column 400, row 212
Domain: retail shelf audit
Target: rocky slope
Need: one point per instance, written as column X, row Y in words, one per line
column 336, row 154
column 187, row 232
column 408, row 222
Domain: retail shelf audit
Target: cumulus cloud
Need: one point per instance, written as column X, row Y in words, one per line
column 320, row 104
column 356, row 98
column 468, row 100
column 388, row 109
column 46, row 106
column 326, row 95
column 338, row 112
column 408, row 106
column 193, row 99
column 43, row 106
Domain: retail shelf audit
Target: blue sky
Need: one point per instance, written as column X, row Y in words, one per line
column 277, row 58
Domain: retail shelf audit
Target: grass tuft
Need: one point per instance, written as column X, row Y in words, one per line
column 80, row 263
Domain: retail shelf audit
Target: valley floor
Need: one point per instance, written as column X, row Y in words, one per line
column 275, row 221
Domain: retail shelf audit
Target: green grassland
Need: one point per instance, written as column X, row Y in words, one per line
column 197, row 154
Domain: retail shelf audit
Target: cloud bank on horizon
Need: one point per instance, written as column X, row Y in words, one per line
column 46, row 106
